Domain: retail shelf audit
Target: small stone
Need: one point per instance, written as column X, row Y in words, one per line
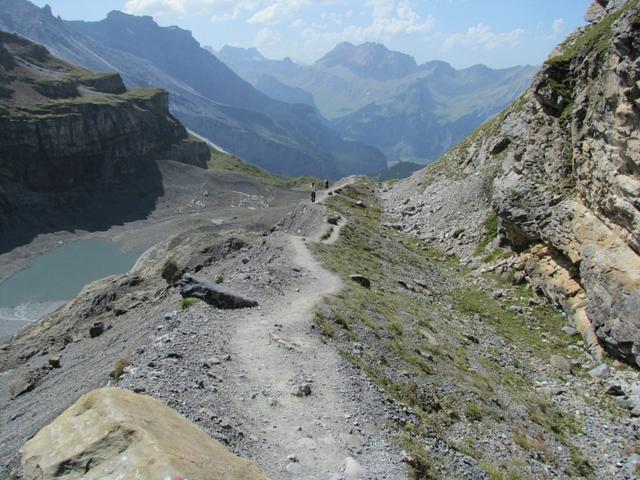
column 353, row 469
column 293, row 468
column 361, row 279
column 635, row 411
column 54, row 361
column 570, row 331
column 360, row 204
column 139, row 390
column 96, row 329
column 211, row 362
column 306, row 443
column 561, row 364
column 615, row 391
column 601, row 371
column 293, row 458
column 302, row 390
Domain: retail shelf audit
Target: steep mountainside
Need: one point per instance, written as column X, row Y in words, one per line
column 385, row 99
column 63, row 129
column 208, row 97
column 559, row 170
column 62, row 125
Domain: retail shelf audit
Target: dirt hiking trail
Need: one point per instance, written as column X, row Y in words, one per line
column 297, row 392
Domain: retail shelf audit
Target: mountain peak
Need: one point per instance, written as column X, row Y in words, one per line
column 370, row 60
column 251, row 53
column 119, row 16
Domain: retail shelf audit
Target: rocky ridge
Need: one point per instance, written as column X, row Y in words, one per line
column 554, row 181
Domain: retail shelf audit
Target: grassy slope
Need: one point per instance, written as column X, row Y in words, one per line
column 446, row 348
column 223, row 162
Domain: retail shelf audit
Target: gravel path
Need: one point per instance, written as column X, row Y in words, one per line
column 273, row 390
column 294, row 391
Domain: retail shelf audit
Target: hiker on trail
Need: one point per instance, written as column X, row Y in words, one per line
column 313, row 192
column 326, row 184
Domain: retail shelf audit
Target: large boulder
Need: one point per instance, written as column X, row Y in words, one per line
column 215, row 295
column 113, row 433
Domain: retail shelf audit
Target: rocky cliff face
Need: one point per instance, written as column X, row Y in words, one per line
column 561, row 170
column 61, row 126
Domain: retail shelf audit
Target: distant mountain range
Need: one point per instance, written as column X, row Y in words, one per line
column 205, row 94
column 383, row 98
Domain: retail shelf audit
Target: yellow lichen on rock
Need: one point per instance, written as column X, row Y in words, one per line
column 112, row 433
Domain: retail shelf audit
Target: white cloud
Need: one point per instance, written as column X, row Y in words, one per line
column 267, row 37
column 226, row 10
column 390, row 19
column 220, row 10
column 277, row 11
column 382, row 8
column 558, row 25
column 298, row 23
column 154, row 7
column 481, row 36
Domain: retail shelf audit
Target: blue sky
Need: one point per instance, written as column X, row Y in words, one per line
column 498, row 33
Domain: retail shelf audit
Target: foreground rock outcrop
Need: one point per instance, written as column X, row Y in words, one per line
column 216, row 295
column 561, row 169
column 114, row 433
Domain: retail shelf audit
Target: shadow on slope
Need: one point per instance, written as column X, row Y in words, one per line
column 92, row 207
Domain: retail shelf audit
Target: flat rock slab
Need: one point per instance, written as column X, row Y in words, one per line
column 114, row 433
column 216, row 295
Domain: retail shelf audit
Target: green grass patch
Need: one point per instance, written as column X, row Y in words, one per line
column 188, row 302
column 490, row 232
column 118, row 368
column 223, row 162
column 421, row 463
column 597, row 37
column 414, row 338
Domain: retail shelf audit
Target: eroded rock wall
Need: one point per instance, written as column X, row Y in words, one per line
column 561, row 168
column 69, row 143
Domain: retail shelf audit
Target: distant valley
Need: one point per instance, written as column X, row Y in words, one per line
column 411, row 112
column 206, row 95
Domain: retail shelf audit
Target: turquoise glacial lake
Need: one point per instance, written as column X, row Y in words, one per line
column 57, row 276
